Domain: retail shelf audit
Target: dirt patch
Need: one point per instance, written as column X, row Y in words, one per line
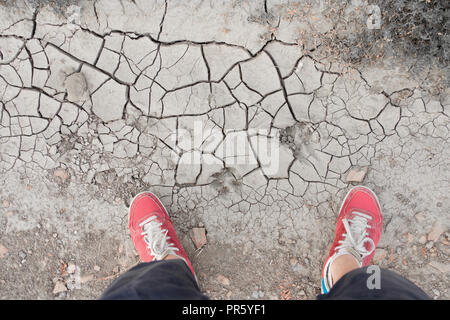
column 413, row 33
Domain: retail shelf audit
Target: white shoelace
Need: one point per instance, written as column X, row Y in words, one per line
column 156, row 238
column 356, row 235
column 353, row 243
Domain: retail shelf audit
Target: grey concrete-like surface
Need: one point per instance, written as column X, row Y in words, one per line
column 101, row 100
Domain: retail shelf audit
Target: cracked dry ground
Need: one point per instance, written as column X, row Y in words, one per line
column 94, row 111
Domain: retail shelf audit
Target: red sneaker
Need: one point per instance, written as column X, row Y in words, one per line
column 152, row 231
column 358, row 231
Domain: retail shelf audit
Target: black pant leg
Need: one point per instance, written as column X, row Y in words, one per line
column 393, row 286
column 156, row 280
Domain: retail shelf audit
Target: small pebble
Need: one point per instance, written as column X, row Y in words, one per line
column 59, row 287
column 422, row 240
column 22, row 255
column 296, row 268
column 356, row 174
column 223, row 280
column 71, row 268
column 3, row 251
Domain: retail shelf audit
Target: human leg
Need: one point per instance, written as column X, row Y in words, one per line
column 166, row 272
column 358, row 232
